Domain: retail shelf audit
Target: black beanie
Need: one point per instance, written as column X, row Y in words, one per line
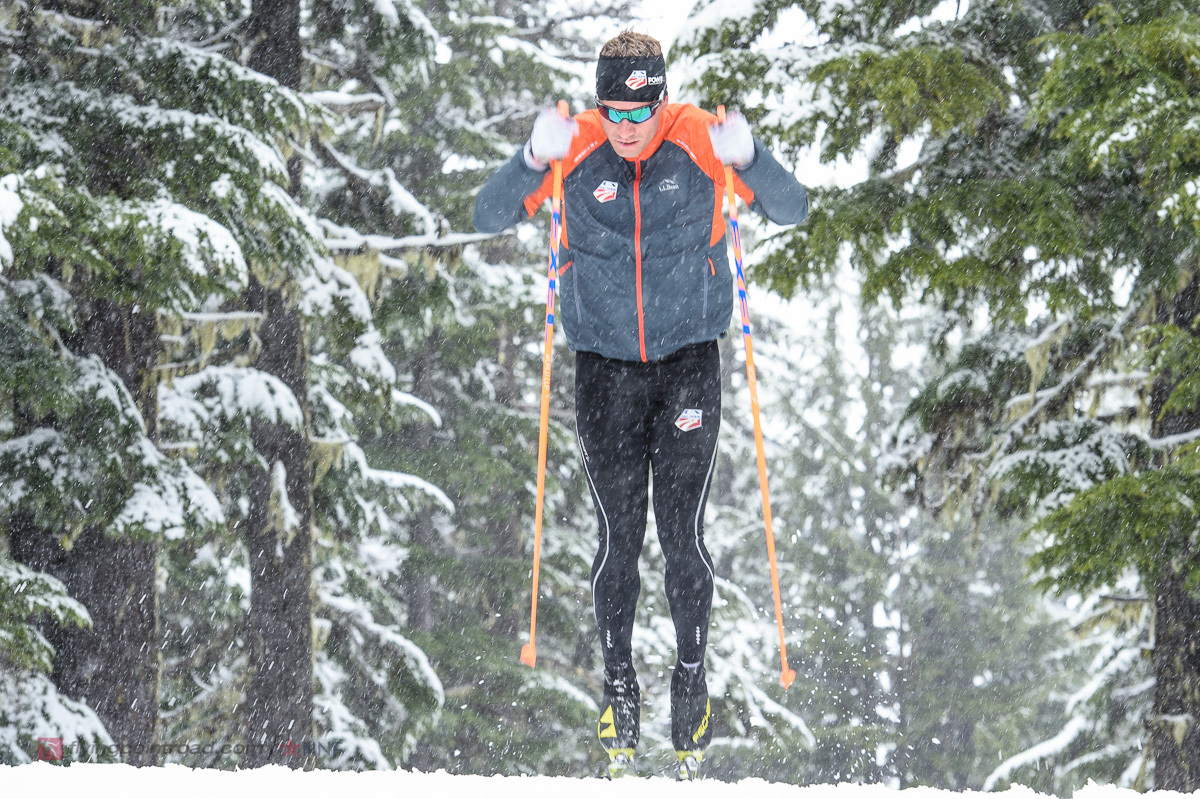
column 631, row 79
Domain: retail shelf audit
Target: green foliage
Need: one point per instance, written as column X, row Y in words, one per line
column 1140, row 78
column 1049, row 200
column 25, row 596
column 1065, row 458
column 1173, row 355
column 31, row 375
column 1146, row 522
column 906, row 91
column 92, row 464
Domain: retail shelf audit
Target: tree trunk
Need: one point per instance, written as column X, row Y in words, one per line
column 419, row 582
column 275, row 40
column 1175, row 723
column 1175, row 726
column 114, row 667
column 279, row 697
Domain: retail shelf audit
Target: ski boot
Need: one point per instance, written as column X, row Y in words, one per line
column 619, row 725
column 620, row 763
column 691, row 717
column 688, row 767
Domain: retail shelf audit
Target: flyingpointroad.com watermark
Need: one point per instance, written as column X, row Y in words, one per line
column 53, row 749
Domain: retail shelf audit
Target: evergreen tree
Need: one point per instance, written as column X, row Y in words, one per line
column 126, row 152
column 93, row 148
column 873, row 83
column 323, row 519
column 1053, row 172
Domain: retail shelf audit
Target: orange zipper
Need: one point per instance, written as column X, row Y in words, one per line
column 637, row 254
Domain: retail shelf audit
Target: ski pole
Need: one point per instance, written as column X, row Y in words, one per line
column 786, row 674
column 529, row 650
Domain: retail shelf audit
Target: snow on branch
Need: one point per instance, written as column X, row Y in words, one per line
column 206, row 246
column 1174, row 440
column 1075, row 727
column 218, row 395
column 359, row 614
column 1052, row 400
column 172, row 502
column 401, row 200
column 397, row 480
column 282, row 515
column 32, row 702
column 391, row 11
column 404, row 398
column 10, row 208
column 347, row 104
column 383, row 243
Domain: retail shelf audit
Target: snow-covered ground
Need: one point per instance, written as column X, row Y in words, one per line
column 102, row 781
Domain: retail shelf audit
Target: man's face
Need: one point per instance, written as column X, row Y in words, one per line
column 630, row 138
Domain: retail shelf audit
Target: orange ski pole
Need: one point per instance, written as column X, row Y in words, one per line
column 786, row 674
column 529, row 650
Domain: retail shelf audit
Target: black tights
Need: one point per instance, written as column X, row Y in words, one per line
column 632, row 418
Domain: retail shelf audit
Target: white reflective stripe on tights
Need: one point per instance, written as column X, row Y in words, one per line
column 607, row 527
column 712, row 463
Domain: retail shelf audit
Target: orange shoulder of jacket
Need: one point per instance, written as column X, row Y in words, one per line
column 689, row 130
column 590, row 136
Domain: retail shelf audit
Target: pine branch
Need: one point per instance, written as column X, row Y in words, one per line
column 220, row 39
column 348, row 104
column 367, row 182
column 1053, row 400
column 386, row 243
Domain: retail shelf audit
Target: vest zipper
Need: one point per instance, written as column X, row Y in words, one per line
column 575, row 286
column 713, row 269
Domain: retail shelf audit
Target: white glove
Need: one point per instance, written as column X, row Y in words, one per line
column 551, row 138
column 731, row 140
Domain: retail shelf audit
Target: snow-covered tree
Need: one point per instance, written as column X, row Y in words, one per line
column 936, row 109
column 124, row 202
column 1032, row 172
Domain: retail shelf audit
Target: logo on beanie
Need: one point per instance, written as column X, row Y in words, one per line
column 606, row 191
column 636, row 79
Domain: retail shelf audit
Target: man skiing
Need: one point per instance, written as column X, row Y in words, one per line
column 644, row 292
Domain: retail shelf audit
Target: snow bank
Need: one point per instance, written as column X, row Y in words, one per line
column 179, row 782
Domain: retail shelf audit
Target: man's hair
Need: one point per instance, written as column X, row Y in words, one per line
column 630, row 44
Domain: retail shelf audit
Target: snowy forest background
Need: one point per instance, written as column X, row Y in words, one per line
column 268, row 407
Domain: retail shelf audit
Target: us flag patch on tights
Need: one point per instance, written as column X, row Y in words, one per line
column 690, row 419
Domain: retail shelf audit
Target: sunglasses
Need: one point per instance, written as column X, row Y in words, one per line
column 636, row 115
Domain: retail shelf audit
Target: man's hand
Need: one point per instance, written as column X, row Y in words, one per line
column 551, row 139
column 731, row 140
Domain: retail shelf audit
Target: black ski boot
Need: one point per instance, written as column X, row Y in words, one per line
column 691, row 717
column 619, row 726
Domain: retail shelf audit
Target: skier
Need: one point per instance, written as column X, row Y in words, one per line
column 645, row 291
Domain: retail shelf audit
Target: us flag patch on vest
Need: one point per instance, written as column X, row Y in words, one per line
column 690, row 419
column 606, row 191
